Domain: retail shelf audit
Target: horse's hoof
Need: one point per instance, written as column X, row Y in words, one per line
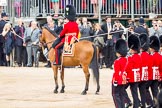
column 62, row 91
column 55, row 91
column 84, row 93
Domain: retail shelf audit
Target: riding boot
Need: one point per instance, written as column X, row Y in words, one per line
column 58, row 58
column 59, row 54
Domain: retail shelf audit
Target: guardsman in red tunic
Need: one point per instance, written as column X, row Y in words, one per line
column 146, row 69
column 134, row 67
column 70, row 27
column 119, row 76
column 156, row 59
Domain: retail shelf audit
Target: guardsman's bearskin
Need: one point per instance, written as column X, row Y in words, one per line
column 144, row 39
column 134, row 42
column 155, row 43
column 70, row 12
column 121, row 47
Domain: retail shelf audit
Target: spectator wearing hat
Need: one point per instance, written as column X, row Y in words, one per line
column 133, row 68
column 4, row 17
column 156, row 59
column 119, row 75
column 140, row 28
column 70, row 27
column 146, row 69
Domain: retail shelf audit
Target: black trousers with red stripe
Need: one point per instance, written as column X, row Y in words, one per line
column 58, row 52
column 117, row 93
column 134, row 92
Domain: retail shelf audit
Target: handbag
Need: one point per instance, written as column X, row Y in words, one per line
column 28, row 38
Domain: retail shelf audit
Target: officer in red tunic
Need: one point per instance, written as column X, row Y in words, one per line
column 70, row 27
column 156, row 59
column 134, row 67
column 146, row 69
column 119, row 76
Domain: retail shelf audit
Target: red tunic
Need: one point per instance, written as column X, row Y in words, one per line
column 156, row 58
column 133, row 68
column 119, row 71
column 146, row 72
column 70, row 27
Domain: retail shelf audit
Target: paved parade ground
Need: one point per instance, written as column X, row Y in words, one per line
column 23, row 87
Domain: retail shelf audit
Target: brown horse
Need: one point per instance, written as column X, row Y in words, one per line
column 85, row 54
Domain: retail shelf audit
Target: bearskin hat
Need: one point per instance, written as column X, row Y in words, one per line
column 70, row 12
column 155, row 43
column 134, row 42
column 160, row 37
column 121, row 47
column 144, row 39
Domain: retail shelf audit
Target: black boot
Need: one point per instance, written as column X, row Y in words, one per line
column 48, row 64
column 59, row 61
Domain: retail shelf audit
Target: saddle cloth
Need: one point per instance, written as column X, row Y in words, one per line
column 69, row 45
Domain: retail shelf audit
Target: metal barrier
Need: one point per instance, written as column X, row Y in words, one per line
column 42, row 8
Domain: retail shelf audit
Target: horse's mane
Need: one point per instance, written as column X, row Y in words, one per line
column 51, row 31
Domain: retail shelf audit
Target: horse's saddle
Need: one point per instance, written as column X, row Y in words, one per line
column 70, row 40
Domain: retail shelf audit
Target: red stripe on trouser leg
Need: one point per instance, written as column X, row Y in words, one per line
column 56, row 51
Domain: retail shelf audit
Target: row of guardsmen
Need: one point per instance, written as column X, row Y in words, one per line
column 140, row 68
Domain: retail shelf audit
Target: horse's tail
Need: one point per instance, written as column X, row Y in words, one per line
column 94, row 65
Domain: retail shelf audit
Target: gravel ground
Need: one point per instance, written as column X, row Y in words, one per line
column 23, row 87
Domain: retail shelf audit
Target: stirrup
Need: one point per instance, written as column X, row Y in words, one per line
column 54, row 63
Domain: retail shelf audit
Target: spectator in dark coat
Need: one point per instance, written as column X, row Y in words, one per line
column 9, row 41
column 107, row 27
column 99, row 41
column 2, row 24
column 21, row 54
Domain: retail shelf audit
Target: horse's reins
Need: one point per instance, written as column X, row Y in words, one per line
column 100, row 34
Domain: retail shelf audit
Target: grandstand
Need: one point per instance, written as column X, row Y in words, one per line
column 39, row 9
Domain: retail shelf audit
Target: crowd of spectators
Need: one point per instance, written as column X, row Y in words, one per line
column 16, row 37
column 118, row 8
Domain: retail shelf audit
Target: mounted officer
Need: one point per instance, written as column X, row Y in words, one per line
column 70, row 27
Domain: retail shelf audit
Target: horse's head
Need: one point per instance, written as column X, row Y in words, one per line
column 47, row 38
column 42, row 37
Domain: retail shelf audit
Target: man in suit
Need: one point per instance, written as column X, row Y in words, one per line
column 86, row 30
column 2, row 24
column 107, row 27
column 32, row 43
